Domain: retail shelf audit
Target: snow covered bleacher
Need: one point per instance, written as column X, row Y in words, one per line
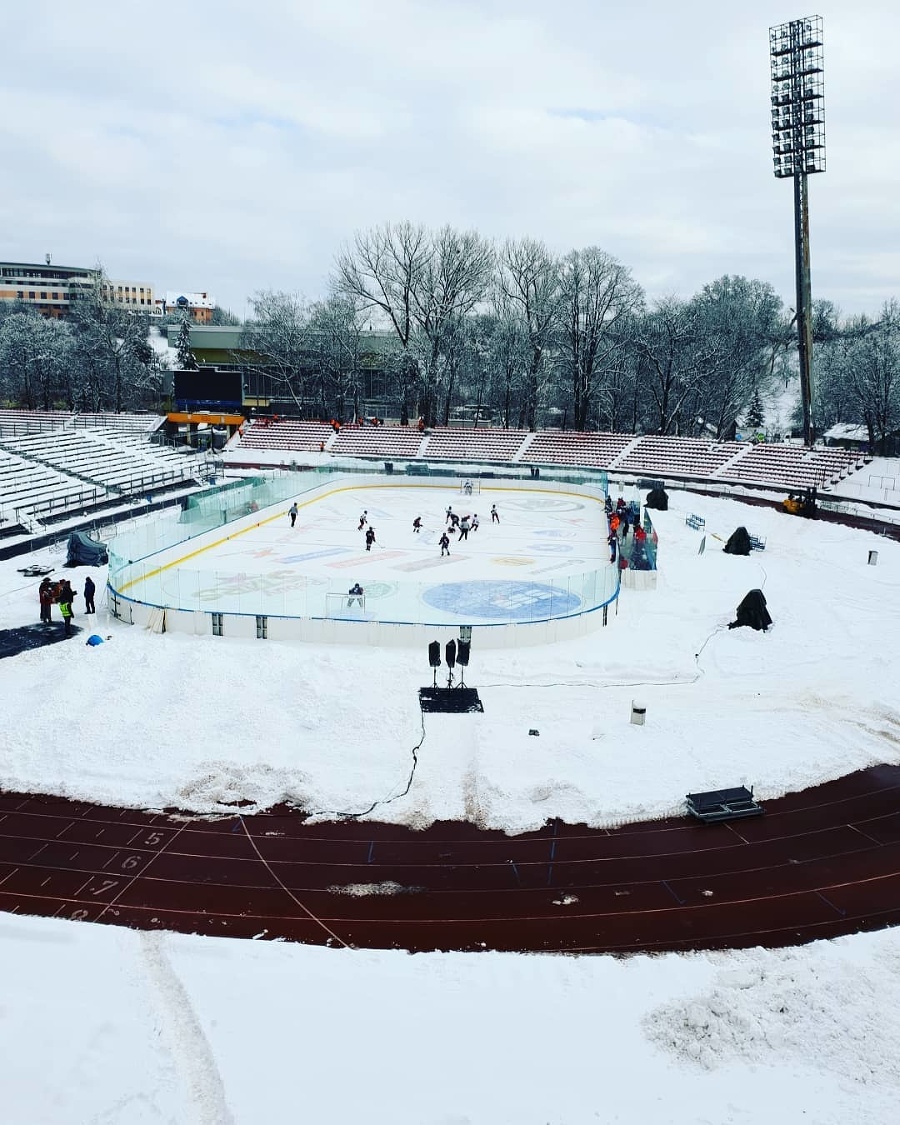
column 137, row 424
column 306, row 437
column 401, row 442
column 655, row 455
column 13, row 422
column 48, row 474
column 30, row 489
column 650, row 455
column 558, row 447
column 791, row 466
column 473, row 445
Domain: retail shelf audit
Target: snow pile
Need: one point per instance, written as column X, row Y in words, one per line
column 828, row 1011
column 362, row 890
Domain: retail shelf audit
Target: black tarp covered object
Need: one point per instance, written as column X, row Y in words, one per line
column 657, row 498
column 84, row 551
column 739, row 543
column 752, row 611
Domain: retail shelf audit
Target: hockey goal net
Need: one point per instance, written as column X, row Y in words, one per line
column 469, row 486
column 345, row 605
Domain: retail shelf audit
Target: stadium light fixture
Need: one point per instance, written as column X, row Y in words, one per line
column 798, row 149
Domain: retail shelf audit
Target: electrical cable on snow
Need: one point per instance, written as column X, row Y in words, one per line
column 383, row 800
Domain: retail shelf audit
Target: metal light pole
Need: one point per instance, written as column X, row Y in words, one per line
column 798, row 149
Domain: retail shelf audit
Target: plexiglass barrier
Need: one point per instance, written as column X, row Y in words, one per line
column 149, row 564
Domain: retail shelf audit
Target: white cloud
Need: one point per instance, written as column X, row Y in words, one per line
column 230, row 147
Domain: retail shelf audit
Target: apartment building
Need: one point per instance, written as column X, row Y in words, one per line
column 52, row 289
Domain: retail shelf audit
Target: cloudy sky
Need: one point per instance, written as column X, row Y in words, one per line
column 236, row 145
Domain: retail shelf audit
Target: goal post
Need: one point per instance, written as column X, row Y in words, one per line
column 350, row 606
column 469, row 486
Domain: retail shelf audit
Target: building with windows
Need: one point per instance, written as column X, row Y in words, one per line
column 199, row 306
column 128, row 295
column 52, row 290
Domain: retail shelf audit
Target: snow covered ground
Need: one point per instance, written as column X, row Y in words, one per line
column 107, row 1025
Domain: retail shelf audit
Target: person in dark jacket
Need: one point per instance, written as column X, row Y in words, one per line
column 370, row 537
column 445, row 544
column 45, row 594
column 66, row 597
column 89, row 590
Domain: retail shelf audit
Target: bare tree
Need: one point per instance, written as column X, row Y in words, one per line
column 676, row 359
column 335, row 336
column 423, row 284
column 598, row 299
column 280, row 333
column 381, row 271
column 454, row 278
column 530, row 282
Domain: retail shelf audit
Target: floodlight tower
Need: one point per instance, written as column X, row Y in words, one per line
column 798, row 148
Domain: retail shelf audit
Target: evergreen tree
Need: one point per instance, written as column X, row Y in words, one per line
column 755, row 413
column 186, row 361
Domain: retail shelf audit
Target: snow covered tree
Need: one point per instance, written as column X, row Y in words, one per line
column 186, row 360
column 743, row 320
column 859, row 376
column 35, row 356
column 754, row 416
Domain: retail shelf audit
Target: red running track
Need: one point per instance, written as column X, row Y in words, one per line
column 820, row 863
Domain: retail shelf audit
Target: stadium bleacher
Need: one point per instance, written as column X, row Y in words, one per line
column 650, row 455
column 53, row 466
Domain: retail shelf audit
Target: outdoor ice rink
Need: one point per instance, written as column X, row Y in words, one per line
column 546, row 558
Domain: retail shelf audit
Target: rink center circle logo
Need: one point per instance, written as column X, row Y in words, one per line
column 504, row 601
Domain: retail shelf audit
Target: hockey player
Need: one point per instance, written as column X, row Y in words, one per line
column 355, row 595
column 495, row 515
column 454, row 521
column 449, row 516
column 464, row 528
column 445, row 544
column 292, row 512
column 417, row 524
column 363, row 520
column 370, row 537
column 467, row 488
column 475, row 522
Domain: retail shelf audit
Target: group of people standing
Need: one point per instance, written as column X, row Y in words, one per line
column 63, row 595
column 620, row 519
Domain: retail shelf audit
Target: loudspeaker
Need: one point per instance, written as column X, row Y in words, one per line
column 450, row 654
column 434, row 654
column 462, row 653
